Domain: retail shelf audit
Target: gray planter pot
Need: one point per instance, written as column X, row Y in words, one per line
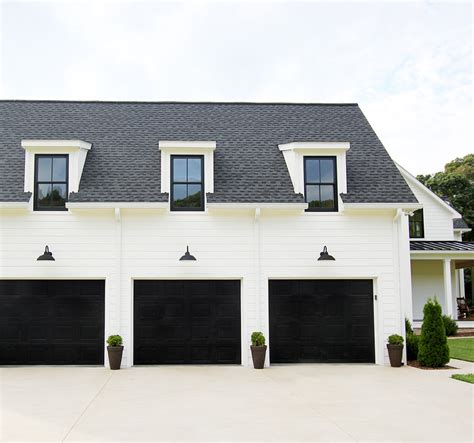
column 395, row 353
column 115, row 356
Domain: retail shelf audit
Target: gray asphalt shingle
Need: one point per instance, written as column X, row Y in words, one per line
column 124, row 163
column 459, row 223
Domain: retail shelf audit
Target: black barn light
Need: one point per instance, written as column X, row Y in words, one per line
column 324, row 255
column 187, row 255
column 46, row 255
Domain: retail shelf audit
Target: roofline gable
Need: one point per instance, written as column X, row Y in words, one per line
column 412, row 179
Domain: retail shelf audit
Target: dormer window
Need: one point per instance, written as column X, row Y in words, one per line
column 187, row 172
column 51, row 182
column 318, row 171
column 53, row 169
column 415, row 223
column 320, row 183
column 187, row 183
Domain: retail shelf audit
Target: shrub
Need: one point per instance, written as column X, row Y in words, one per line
column 412, row 346
column 114, row 340
column 408, row 328
column 433, row 348
column 395, row 339
column 450, row 325
column 258, row 339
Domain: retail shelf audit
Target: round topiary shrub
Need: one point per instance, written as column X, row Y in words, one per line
column 433, row 347
column 114, row 340
column 450, row 326
column 257, row 339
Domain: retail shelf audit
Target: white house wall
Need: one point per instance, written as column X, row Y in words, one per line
column 437, row 220
column 138, row 244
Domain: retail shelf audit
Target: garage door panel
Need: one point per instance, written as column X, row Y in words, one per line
column 321, row 321
column 49, row 322
column 204, row 327
column 229, row 330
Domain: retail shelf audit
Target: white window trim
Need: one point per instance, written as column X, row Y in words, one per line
column 76, row 149
column 181, row 147
column 294, row 154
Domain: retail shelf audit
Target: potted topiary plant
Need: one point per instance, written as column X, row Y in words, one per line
column 395, row 350
column 115, row 351
column 258, row 349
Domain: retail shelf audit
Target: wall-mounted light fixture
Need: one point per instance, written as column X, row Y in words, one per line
column 46, row 255
column 324, row 255
column 187, row 255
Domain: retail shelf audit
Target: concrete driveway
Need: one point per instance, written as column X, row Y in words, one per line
column 210, row 403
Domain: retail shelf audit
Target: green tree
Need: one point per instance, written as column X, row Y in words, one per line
column 433, row 350
column 456, row 184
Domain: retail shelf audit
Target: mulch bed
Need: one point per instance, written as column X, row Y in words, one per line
column 415, row 364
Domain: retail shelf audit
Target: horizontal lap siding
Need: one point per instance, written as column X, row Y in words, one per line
column 437, row 220
column 85, row 245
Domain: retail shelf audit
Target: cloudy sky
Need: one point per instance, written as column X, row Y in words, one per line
column 408, row 65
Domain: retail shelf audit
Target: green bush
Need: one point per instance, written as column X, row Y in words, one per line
column 114, row 340
column 395, row 339
column 258, row 339
column 412, row 346
column 450, row 326
column 433, row 348
column 408, row 328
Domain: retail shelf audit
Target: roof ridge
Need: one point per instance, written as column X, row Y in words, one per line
column 176, row 102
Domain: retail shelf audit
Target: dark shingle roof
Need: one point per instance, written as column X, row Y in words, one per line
column 425, row 245
column 124, row 163
column 459, row 223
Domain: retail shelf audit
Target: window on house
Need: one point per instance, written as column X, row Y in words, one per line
column 415, row 222
column 187, row 183
column 51, row 182
column 320, row 185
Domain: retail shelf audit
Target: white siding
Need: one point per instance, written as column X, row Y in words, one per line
column 428, row 282
column 437, row 218
column 147, row 244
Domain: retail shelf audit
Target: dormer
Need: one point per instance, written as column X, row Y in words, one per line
column 318, row 171
column 187, row 172
column 53, row 169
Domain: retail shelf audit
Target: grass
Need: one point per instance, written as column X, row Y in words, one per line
column 468, row 378
column 461, row 348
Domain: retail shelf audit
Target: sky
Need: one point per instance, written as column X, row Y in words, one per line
column 408, row 64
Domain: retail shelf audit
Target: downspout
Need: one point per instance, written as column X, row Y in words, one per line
column 257, row 268
column 118, row 272
column 404, row 273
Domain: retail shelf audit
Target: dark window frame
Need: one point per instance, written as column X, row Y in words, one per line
column 412, row 223
column 334, row 183
column 172, row 183
column 36, row 206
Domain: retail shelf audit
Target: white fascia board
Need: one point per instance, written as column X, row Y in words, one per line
column 442, row 254
column 409, row 177
column 14, row 205
column 404, row 206
column 240, row 206
column 303, row 146
column 462, row 230
column 186, row 145
column 56, row 144
column 113, row 205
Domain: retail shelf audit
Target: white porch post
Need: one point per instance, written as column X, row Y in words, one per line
column 462, row 290
column 448, row 289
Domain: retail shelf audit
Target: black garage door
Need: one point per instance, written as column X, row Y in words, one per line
column 51, row 322
column 191, row 321
column 321, row 321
